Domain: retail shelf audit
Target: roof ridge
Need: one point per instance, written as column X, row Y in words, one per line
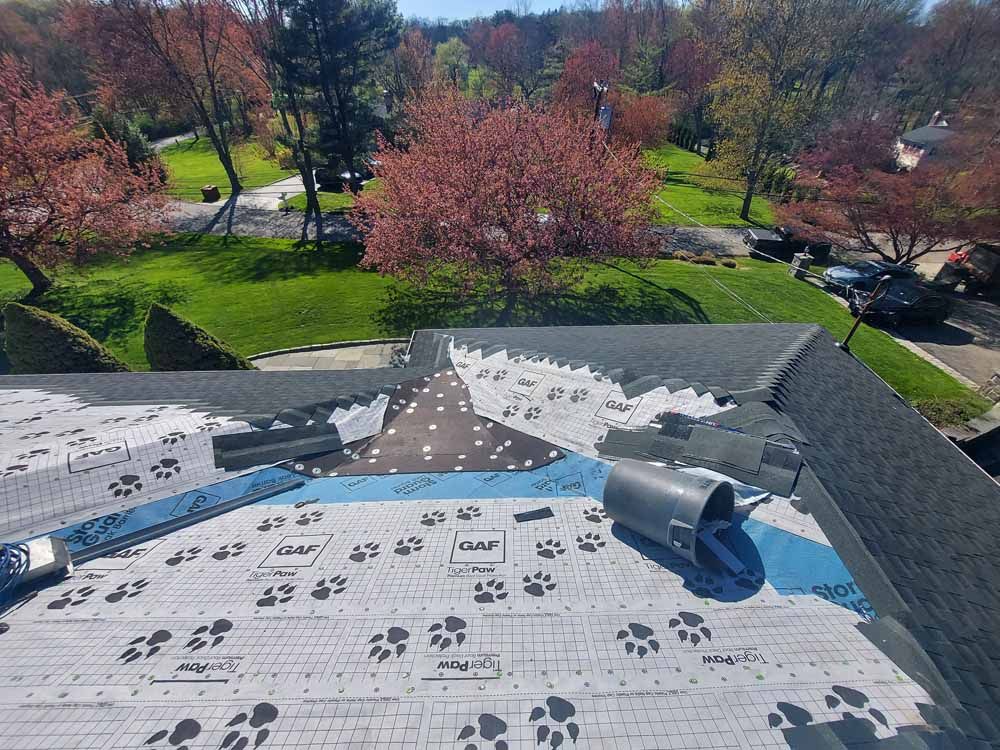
column 775, row 375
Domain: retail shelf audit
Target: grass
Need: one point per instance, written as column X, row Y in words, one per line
column 695, row 196
column 192, row 164
column 263, row 294
column 329, row 202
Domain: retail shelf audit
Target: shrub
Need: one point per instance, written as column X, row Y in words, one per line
column 682, row 255
column 40, row 342
column 704, row 260
column 728, row 262
column 173, row 343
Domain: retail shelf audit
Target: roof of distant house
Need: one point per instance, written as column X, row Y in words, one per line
column 928, row 135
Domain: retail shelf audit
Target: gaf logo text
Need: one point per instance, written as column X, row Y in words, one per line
column 477, row 547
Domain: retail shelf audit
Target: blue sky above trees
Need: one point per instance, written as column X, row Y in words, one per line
column 457, row 9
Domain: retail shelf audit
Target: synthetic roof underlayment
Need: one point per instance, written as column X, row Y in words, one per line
column 445, row 578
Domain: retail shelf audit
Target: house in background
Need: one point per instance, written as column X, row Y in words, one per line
column 915, row 144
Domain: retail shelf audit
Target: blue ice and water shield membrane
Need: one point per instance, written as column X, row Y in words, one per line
column 790, row 563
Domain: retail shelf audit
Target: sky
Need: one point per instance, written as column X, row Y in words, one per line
column 457, row 9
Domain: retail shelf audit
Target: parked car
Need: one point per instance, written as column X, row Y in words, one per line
column 864, row 275
column 978, row 267
column 904, row 301
column 781, row 244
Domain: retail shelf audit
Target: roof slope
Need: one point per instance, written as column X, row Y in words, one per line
column 926, row 135
column 924, row 520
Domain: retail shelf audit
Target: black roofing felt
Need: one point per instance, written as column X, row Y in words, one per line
column 917, row 522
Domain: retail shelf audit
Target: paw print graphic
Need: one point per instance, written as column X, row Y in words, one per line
column 589, row 542
column 138, row 645
column 578, row 395
column 272, row 522
column 209, row 426
column 484, row 373
column 216, row 631
column 32, row 454
column 788, row 713
column 113, row 420
column 72, row 597
column 184, row 731
column 854, row 699
column 555, row 393
column 260, row 716
column 27, row 420
column 688, row 634
column 432, row 518
column 490, row 592
column 455, row 626
column 549, row 549
column 277, row 595
column 172, row 438
column 409, row 545
column 468, row 513
column 166, row 468
column 13, row 469
column 490, row 729
column 67, row 433
column 184, row 555
column 310, row 517
column 500, row 376
column 384, row 641
column 81, row 441
column 365, row 551
column 511, row 410
column 558, row 714
column 127, row 591
column 638, row 639
column 126, row 485
column 327, row 586
column 538, row 584
column 147, row 418
column 533, row 412
column 595, row 514
column 34, row 435
column 704, row 585
column 229, row 550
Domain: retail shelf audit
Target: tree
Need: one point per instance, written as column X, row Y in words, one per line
column 586, row 64
column 64, row 196
column 769, row 47
column 465, row 199
column 40, row 342
column 195, row 52
column 944, row 204
column 341, row 42
column 451, row 62
column 119, row 128
column 641, row 120
column 409, row 68
column 690, row 68
column 173, row 343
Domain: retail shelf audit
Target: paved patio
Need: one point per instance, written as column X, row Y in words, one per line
column 362, row 356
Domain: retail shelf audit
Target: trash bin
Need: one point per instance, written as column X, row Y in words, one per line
column 210, row 193
column 800, row 264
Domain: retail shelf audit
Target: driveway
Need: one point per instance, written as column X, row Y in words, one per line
column 969, row 341
column 231, row 217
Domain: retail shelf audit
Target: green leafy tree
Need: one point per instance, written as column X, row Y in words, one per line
column 173, row 343
column 451, row 62
column 644, row 72
column 118, row 127
column 40, row 342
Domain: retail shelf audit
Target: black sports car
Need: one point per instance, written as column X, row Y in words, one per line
column 904, row 301
column 864, row 275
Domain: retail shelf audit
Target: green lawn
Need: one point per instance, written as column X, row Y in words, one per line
column 329, row 202
column 713, row 206
column 193, row 164
column 262, row 294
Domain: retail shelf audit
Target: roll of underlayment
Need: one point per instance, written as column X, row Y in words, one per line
column 668, row 506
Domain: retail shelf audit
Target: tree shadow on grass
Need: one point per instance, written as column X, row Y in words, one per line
column 407, row 308
column 110, row 310
column 250, row 260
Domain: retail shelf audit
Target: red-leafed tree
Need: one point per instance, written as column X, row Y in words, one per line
column 467, row 198
column 641, row 120
column 515, row 60
column 64, row 196
column 589, row 62
column 900, row 216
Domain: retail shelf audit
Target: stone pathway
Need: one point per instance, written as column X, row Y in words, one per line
column 162, row 143
column 232, row 218
column 362, row 356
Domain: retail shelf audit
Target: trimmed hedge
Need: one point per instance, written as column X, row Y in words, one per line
column 173, row 343
column 40, row 342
